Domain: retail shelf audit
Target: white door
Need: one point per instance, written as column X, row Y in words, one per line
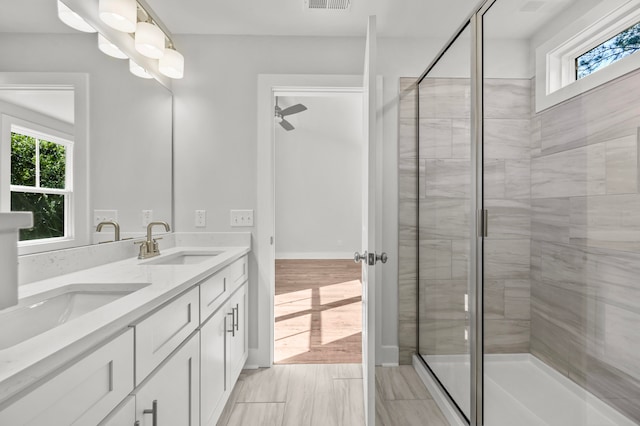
column 368, row 255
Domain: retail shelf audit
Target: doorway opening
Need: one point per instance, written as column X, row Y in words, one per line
column 318, row 226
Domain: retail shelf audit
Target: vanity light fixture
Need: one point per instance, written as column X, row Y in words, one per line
column 137, row 70
column 172, row 63
column 121, row 15
column 109, row 48
column 72, row 19
column 149, row 40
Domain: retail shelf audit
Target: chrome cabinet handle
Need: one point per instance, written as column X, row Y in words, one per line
column 233, row 330
column 153, row 411
column 236, row 316
column 382, row 257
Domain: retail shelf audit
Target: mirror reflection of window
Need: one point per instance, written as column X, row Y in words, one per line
column 40, row 169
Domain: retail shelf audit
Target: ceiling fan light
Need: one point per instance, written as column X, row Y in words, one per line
column 172, row 64
column 137, row 70
column 109, row 48
column 278, row 118
column 149, row 40
column 121, row 15
column 72, row 19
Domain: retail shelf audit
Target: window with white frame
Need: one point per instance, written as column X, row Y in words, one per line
column 588, row 52
column 41, row 182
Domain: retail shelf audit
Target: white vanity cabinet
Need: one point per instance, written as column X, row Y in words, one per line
column 223, row 341
column 82, row 394
column 170, row 395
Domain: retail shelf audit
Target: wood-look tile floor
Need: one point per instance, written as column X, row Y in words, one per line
column 328, row 395
column 318, row 314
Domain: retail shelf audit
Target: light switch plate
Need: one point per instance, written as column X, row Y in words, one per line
column 104, row 215
column 241, row 218
column 201, row 218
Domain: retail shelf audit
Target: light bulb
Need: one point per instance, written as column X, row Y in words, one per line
column 137, row 70
column 172, row 63
column 109, row 48
column 149, row 40
column 72, row 19
column 121, row 15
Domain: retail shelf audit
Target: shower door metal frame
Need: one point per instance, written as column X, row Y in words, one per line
column 478, row 215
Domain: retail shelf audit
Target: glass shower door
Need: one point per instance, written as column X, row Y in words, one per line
column 444, row 231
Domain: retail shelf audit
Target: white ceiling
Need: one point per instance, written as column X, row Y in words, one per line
column 53, row 103
column 396, row 18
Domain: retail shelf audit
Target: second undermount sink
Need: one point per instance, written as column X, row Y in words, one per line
column 39, row 313
column 184, row 258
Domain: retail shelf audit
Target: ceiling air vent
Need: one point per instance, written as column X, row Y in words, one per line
column 327, row 4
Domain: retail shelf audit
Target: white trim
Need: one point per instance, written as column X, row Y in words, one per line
column 555, row 69
column 388, row 356
column 265, row 221
column 314, row 255
column 79, row 82
column 449, row 412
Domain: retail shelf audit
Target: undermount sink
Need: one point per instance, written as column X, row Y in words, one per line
column 39, row 313
column 184, row 258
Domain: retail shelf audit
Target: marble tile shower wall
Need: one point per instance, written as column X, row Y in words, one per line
column 585, row 245
column 443, row 163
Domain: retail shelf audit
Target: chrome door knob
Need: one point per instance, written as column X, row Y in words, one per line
column 382, row 257
column 357, row 257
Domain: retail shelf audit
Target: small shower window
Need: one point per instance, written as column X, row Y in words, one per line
column 612, row 50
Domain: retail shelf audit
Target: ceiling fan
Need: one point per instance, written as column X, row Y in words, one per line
column 280, row 114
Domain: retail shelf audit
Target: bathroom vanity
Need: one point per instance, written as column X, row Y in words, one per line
column 159, row 341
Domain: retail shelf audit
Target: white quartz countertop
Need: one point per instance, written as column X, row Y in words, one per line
column 27, row 362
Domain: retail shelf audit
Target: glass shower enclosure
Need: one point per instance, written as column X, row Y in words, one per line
column 529, row 223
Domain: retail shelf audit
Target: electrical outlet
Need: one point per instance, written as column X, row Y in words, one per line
column 104, row 215
column 147, row 217
column 201, row 218
column 241, row 217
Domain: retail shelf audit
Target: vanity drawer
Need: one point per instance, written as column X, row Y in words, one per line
column 237, row 273
column 82, row 394
column 163, row 331
column 212, row 294
column 215, row 289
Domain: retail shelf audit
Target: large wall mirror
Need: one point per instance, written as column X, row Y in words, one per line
column 70, row 112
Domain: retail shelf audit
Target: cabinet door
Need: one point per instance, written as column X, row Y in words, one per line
column 171, row 393
column 123, row 415
column 161, row 333
column 213, row 352
column 238, row 342
column 82, row 394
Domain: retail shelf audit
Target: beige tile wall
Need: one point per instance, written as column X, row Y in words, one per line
column 585, row 246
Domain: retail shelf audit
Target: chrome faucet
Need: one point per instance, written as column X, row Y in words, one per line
column 149, row 248
column 113, row 223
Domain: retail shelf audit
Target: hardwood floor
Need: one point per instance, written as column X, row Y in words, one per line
column 318, row 315
column 328, row 395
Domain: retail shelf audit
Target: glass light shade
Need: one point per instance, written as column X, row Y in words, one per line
column 149, row 40
column 109, row 48
column 138, row 70
column 172, row 64
column 72, row 19
column 119, row 14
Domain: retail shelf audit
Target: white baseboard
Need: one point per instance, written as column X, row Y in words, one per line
column 449, row 411
column 314, row 255
column 388, row 356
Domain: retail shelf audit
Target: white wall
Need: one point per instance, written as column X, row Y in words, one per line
column 216, row 134
column 317, row 179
